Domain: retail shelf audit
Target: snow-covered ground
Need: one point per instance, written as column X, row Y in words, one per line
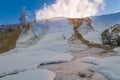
column 94, row 36
column 49, row 49
column 101, row 23
column 110, row 66
column 44, row 44
column 36, row 32
column 117, row 50
column 37, row 74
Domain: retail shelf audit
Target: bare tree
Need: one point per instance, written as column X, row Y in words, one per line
column 35, row 16
column 23, row 16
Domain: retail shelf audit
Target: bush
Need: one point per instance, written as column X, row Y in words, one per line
column 111, row 36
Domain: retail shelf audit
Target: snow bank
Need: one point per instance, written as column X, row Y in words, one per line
column 55, row 38
column 21, row 61
column 92, row 60
column 36, row 32
column 101, row 23
column 37, row 74
column 117, row 49
column 109, row 67
column 32, row 50
column 94, row 36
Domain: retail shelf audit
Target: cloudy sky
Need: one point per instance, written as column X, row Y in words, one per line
column 10, row 9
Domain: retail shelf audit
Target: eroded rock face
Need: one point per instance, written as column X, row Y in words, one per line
column 111, row 36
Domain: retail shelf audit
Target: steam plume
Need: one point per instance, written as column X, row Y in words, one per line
column 70, row 8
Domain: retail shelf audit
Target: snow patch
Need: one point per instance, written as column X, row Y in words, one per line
column 37, row 74
column 31, row 52
column 109, row 67
column 21, row 61
column 92, row 60
column 32, row 36
column 117, row 49
column 94, row 36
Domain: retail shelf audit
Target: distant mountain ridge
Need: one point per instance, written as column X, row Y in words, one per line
column 106, row 20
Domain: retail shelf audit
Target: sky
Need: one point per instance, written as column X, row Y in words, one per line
column 10, row 9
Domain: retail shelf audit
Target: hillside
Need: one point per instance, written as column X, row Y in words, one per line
column 10, row 33
column 59, row 49
column 8, row 37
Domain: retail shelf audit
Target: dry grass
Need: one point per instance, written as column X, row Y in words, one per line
column 77, row 22
column 9, row 36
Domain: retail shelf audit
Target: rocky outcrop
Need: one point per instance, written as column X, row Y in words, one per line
column 111, row 36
